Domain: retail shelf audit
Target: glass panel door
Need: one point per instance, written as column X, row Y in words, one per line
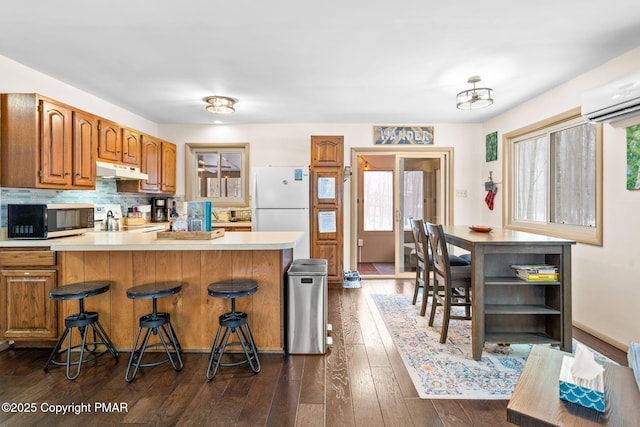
column 420, row 184
column 421, row 189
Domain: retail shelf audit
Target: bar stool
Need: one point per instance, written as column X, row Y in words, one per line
column 156, row 323
column 233, row 321
column 83, row 320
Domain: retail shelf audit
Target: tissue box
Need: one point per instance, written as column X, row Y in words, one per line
column 590, row 397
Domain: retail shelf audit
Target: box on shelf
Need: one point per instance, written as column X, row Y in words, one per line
column 199, row 216
column 588, row 395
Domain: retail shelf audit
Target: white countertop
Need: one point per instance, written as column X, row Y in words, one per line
column 125, row 241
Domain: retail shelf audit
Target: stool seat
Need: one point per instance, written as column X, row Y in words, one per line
column 155, row 323
column 154, row 290
column 233, row 322
column 84, row 321
column 79, row 290
column 233, row 288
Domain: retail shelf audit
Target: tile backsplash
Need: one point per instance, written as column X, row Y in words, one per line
column 105, row 193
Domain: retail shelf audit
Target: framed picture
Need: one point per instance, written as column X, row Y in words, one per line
column 633, row 157
column 492, row 147
column 402, row 135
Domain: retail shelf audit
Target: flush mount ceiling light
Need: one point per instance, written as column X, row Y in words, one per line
column 220, row 104
column 472, row 99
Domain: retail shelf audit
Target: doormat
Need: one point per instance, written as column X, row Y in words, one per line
column 448, row 371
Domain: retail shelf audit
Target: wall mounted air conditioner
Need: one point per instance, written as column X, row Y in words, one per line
column 614, row 101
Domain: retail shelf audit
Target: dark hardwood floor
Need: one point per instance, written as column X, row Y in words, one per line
column 360, row 381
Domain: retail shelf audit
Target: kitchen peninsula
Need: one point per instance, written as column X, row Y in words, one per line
column 130, row 259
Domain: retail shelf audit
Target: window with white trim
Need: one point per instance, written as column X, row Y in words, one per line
column 553, row 178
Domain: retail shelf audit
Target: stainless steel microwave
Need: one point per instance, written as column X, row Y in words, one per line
column 45, row 221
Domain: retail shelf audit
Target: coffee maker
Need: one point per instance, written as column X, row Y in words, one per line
column 159, row 209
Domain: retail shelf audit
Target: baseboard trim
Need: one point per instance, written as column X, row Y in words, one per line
column 608, row 340
column 4, row 345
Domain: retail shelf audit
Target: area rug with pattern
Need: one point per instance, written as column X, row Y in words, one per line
column 448, row 371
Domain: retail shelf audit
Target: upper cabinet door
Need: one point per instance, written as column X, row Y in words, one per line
column 85, row 141
column 131, row 147
column 168, row 181
column 55, row 156
column 327, row 151
column 150, row 164
column 109, row 141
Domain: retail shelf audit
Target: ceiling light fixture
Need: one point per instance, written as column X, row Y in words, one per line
column 475, row 98
column 220, row 104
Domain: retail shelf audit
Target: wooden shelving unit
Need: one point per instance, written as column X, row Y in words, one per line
column 520, row 311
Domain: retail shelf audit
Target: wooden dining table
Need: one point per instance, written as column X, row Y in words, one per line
column 505, row 308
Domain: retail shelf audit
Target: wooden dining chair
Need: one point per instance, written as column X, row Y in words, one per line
column 451, row 285
column 422, row 268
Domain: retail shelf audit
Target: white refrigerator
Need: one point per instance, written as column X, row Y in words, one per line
column 281, row 203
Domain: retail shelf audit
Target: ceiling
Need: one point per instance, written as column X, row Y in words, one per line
column 291, row 61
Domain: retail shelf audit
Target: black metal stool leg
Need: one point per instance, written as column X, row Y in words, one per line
column 217, row 349
column 56, row 349
column 174, row 339
column 254, row 352
column 139, row 353
column 83, row 333
column 171, row 341
column 104, row 339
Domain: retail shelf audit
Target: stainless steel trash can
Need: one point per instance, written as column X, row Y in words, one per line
column 306, row 322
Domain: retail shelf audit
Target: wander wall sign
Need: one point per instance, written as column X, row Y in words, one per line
column 403, row 134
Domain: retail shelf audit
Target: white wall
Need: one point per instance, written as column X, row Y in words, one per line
column 606, row 279
column 17, row 78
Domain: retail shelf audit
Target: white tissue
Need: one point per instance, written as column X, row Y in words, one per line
column 583, row 365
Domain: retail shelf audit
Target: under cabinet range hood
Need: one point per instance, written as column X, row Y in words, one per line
column 115, row 171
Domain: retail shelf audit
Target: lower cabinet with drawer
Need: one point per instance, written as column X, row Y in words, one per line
column 27, row 314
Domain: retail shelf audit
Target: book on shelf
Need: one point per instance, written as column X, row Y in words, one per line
column 536, row 268
column 551, row 277
column 536, row 272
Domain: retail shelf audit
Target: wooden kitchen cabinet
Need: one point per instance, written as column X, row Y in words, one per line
column 151, row 164
column 158, row 161
column 131, row 147
column 109, row 141
column 327, row 151
column 326, row 190
column 117, row 144
column 27, row 313
column 168, row 168
column 85, row 140
column 39, row 135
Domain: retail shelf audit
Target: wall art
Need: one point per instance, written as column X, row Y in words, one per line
column 633, row 157
column 491, row 146
column 403, row 135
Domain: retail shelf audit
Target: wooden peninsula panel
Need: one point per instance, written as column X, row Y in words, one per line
column 194, row 314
